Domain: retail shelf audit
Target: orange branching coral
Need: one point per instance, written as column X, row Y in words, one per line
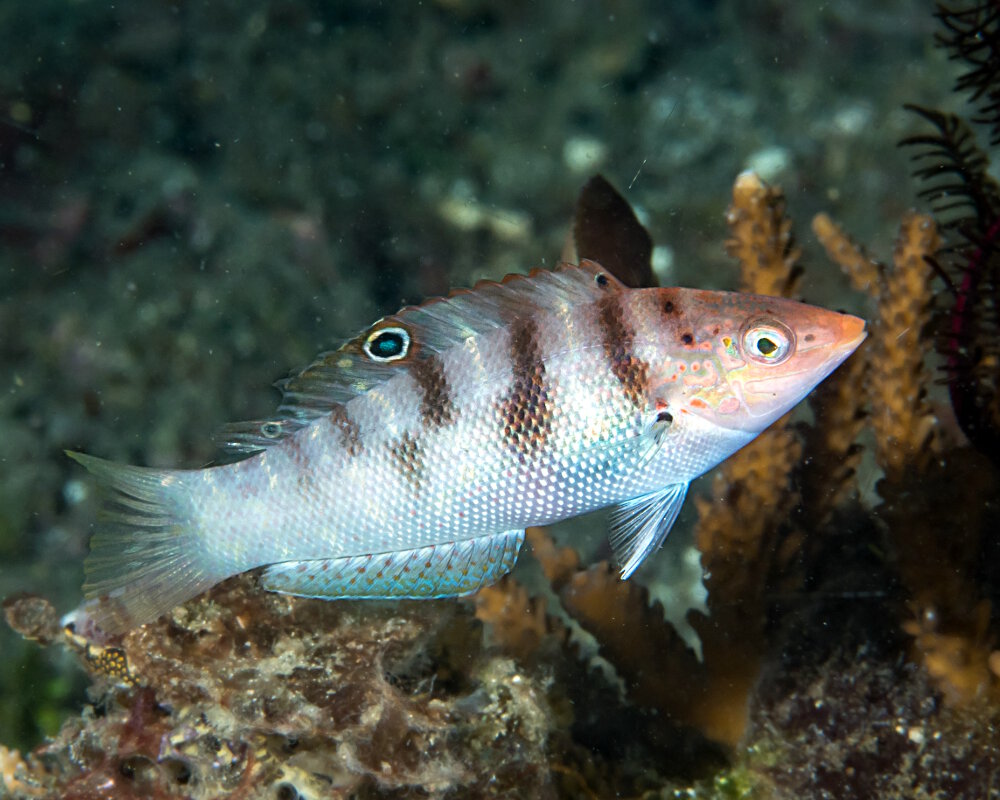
column 519, row 622
column 902, row 420
column 559, row 563
column 760, row 238
column 659, row 670
column 738, row 536
column 958, row 662
column 936, row 523
column 863, row 270
column 929, row 496
column 831, row 442
column 752, row 498
column 751, row 493
column 901, row 417
column 840, row 403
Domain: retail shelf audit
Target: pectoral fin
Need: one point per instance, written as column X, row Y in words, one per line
column 653, row 439
column 442, row 570
column 639, row 526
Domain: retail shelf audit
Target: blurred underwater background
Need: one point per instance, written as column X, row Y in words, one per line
column 197, row 197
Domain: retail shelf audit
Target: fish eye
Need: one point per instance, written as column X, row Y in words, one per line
column 387, row 344
column 768, row 341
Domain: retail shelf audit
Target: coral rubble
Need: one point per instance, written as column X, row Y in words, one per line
column 244, row 693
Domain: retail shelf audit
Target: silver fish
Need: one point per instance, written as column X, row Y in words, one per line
column 409, row 462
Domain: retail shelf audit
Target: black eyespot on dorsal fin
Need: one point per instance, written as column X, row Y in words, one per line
column 385, row 345
column 408, row 339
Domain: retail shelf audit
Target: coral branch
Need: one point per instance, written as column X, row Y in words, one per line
column 864, row 272
column 902, row 420
column 519, row 622
column 760, row 238
column 929, row 508
column 558, row 563
column 659, row 670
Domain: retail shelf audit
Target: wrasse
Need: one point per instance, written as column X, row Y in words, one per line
column 409, row 462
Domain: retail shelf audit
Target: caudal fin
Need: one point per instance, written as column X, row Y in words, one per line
column 146, row 556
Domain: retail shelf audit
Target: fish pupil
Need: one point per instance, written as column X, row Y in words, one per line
column 765, row 346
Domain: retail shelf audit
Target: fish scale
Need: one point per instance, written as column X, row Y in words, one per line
column 408, row 462
column 463, row 490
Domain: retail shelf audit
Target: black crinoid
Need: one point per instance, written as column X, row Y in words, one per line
column 966, row 202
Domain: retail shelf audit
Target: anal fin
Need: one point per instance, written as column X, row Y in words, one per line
column 639, row 526
column 441, row 570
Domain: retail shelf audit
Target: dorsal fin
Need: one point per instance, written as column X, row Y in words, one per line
column 394, row 343
column 606, row 229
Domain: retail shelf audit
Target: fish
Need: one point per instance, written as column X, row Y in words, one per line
column 408, row 462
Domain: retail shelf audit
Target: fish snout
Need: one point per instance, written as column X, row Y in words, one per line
column 853, row 331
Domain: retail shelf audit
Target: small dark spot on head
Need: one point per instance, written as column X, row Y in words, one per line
column 687, row 338
column 668, row 307
column 601, row 279
column 665, row 416
column 715, row 332
column 809, row 337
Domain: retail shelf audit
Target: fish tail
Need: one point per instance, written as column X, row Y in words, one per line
column 147, row 556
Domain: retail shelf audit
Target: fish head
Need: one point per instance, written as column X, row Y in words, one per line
column 741, row 361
